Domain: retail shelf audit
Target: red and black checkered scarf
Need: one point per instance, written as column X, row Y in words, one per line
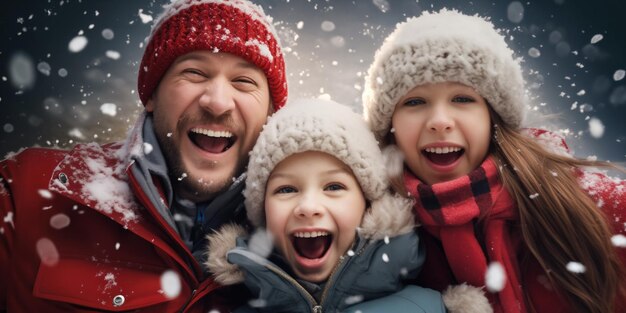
column 449, row 211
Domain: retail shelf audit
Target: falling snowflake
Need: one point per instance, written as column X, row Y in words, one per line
column 47, row 251
column 77, row 44
column 495, row 277
column 145, row 18
column 515, row 12
column 59, row 221
column 45, row 193
column 596, row 128
column 147, row 148
column 353, row 299
column 619, row 240
column 261, row 243
column 619, row 75
column 108, row 109
column 596, row 38
column 576, row 267
column 170, row 284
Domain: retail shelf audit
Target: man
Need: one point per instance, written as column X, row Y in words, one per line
column 121, row 226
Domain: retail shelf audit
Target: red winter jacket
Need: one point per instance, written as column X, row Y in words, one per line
column 78, row 235
column 610, row 194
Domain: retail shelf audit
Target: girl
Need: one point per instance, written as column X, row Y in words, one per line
column 445, row 90
column 343, row 241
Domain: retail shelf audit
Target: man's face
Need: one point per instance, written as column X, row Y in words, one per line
column 208, row 111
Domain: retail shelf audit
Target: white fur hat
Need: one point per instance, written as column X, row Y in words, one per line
column 329, row 127
column 446, row 46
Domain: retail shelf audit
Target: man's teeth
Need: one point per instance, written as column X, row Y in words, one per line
column 440, row 150
column 212, row 133
column 310, row 234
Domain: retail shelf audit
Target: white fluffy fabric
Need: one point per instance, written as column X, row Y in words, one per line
column 329, row 127
column 466, row 299
column 218, row 245
column 446, row 46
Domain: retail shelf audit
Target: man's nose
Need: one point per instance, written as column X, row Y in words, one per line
column 217, row 97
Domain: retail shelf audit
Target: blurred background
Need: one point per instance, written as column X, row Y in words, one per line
column 68, row 68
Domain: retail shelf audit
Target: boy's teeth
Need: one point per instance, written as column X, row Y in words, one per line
column 310, row 234
column 440, row 150
column 212, row 133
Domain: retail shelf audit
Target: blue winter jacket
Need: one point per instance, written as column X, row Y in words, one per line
column 368, row 280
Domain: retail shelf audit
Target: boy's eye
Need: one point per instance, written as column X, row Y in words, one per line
column 334, row 187
column 414, row 102
column 285, row 189
column 463, row 99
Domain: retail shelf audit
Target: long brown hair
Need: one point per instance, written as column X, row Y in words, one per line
column 561, row 224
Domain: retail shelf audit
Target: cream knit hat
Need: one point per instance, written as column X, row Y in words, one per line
column 446, row 46
column 329, row 127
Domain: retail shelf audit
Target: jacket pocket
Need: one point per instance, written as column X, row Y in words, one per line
column 99, row 285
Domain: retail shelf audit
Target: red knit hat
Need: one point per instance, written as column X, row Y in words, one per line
column 233, row 26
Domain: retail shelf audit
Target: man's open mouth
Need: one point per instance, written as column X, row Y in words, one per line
column 311, row 245
column 212, row 141
column 443, row 155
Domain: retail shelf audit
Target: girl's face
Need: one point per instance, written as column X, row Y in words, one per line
column 443, row 130
column 313, row 205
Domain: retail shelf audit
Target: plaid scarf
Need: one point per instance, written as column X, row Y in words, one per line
column 449, row 211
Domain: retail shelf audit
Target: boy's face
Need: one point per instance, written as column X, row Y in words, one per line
column 443, row 130
column 313, row 205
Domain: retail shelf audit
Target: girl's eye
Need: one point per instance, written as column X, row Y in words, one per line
column 334, row 187
column 285, row 189
column 414, row 102
column 463, row 99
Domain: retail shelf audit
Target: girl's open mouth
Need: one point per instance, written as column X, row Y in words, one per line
column 443, row 156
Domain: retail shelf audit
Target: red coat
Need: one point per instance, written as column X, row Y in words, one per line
column 112, row 254
column 610, row 195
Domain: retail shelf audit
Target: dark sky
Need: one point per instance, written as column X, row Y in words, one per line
column 51, row 96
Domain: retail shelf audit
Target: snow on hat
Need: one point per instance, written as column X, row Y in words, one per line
column 446, row 46
column 238, row 27
column 329, row 127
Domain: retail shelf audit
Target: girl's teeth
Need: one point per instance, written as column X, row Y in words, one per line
column 443, row 150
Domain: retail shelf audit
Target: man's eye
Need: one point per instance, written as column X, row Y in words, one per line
column 414, row 102
column 193, row 71
column 286, row 189
column 334, row 187
column 245, row 80
column 463, row 99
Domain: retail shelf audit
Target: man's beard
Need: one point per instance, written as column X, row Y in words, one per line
column 194, row 188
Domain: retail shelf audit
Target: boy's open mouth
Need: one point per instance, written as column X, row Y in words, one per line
column 212, row 141
column 443, row 155
column 311, row 245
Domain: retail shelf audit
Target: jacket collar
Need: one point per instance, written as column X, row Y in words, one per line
column 95, row 175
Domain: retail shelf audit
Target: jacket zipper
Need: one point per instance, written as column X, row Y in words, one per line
column 332, row 277
column 312, row 303
column 315, row 306
column 193, row 293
